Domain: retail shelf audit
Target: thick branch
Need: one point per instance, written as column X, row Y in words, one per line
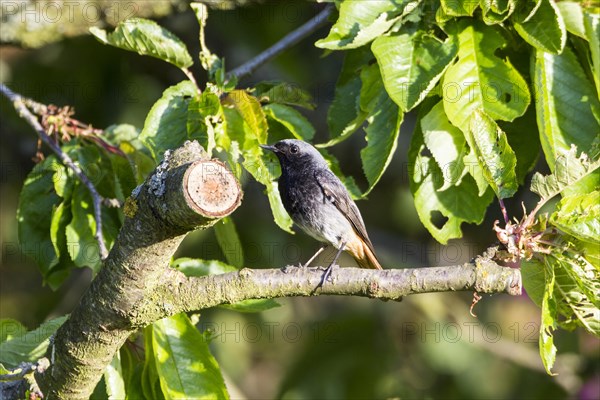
column 186, row 191
column 181, row 293
column 20, row 104
column 285, row 43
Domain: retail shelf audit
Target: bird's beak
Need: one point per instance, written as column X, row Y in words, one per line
column 270, row 148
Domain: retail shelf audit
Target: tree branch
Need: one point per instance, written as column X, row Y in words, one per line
column 285, row 43
column 186, row 191
column 183, row 294
column 20, row 103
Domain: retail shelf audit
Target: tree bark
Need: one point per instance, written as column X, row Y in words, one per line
column 186, row 191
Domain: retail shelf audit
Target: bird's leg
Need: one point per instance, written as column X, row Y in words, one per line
column 323, row 246
column 327, row 272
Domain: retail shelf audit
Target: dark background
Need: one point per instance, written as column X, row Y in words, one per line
column 427, row 346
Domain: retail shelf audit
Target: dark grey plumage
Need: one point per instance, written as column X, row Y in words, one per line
column 318, row 202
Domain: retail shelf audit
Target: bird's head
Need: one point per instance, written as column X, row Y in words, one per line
column 296, row 154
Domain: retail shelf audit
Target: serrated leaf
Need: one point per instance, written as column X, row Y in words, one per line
column 82, row 245
column 548, row 323
column 579, row 215
column 545, row 30
column 113, row 378
column 229, row 241
column 456, row 204
column 251, row 112
column 384, row 119
column 564, row 101
column 572, row 15
column 146, row 37
column 496, row 11
column 283, row 93
column 166, row 124
column 569, row 170
column 591, row 23
column 200, row 108
column 458, row 8
column 360, row 22
column 446, row 143
column 577, row 292
column 494, row 154
column 481, row 80
column 534, row 280
column 185, row 366
column 30, row 346
column 412, row 64
column 295, row 122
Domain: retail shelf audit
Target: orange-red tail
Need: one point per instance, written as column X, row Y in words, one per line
column 363, row 254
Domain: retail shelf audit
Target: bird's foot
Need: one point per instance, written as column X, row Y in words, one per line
column 326, row 275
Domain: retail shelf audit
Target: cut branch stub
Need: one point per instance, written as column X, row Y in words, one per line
column 211, row 189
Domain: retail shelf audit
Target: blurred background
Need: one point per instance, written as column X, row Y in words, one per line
column 427, row 346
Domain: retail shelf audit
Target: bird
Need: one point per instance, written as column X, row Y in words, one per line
column 319, row 203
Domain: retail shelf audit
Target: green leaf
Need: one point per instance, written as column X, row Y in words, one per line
column 360, row 22
column 458, row 8
column 524, row 141
column 185, row 366
column 82, row 245
column 579, row 215
column 30, row 346
column 197, row 267
column 572, row 15
column 200, row 110
column 150, row 380
column 446, row 143
column 549, row 317
column 61, row 217
column 534, row 280
column 295, row 122
column 456, row 204
column 591, row 23
column 384, row 119
column 564, row 101
column 229, row 241
column 166, row 124
column 569, row 170
column 576, row 289
column 412, row 64
column 496, row 11
column 11, row 328
column 494, row 154
column 545, row 30
column 282, row 218
column 113, row 378
column 345, row 116
column 481, row 80
column 36, row 203
column 251, row 112
column 209, row 61
column 283, row 93
column 147, row 38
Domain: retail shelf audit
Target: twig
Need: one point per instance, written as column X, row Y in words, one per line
column 504, row 211
column 288, row 41
column 20, row 103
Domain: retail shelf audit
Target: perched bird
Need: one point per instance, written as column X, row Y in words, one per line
column 318, row 202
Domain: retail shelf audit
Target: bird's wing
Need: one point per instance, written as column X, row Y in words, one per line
column 335, row 191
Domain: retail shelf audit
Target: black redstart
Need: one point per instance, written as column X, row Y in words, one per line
column 319, row 203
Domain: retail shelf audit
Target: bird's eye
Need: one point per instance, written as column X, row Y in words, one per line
column 293, row 149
